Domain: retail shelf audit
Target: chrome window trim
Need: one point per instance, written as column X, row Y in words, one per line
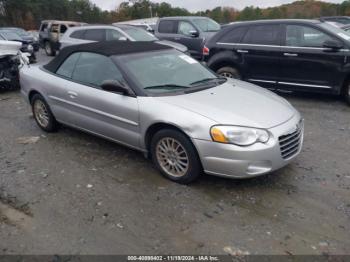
column 280, row 46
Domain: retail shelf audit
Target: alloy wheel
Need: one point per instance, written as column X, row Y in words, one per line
column 41, row 113
column 227, row 74
column 172, row 157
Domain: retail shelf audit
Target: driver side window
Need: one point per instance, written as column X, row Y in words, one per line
column 114, row 35
column 94, row 69
column 90, row 68
column 185, row 28
column 304, row 36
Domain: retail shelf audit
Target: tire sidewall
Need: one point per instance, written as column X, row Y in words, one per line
column 52, row 125
column 48, row 49
column 195, row 168
column 233, row 71
column 347, row 93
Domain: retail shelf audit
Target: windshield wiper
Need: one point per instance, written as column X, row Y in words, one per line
column 166, row 86
column 208, row 80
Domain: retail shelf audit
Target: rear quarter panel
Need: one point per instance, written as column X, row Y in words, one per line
column 33, row 79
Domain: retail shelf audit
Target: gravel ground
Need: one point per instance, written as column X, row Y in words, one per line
column 72, row 193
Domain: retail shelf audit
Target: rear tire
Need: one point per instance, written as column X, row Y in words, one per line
column 175, row 156
column 43, row 115
column 229, row 72
column 346, row 93
column 48, row 49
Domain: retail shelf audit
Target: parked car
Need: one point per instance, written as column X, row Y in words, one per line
column 343, row 20
column 50, row 33
column 293, row 55
column 346, row 28
column 164, row 103
column 25, row 35
column 27, row 46
column 149, row 24
column 192, row 32
column 98, row 33
column 10, row 60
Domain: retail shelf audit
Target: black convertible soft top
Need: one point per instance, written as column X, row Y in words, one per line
column 110, row 48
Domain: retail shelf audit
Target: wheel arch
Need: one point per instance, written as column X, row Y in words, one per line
column 225, row 58
column 32, row 93
column 155, row 127
column 345, row 83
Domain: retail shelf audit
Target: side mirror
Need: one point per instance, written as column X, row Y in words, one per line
column 115, row 87
column 194, row 33
column 122, row 38
column 332, row 44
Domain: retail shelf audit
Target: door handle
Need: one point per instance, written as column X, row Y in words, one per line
column 290, row 54
column 72, row 94
column 242, row 51
column 177, row 38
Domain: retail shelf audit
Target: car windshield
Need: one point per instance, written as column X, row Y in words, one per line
column 206, row 25
column 168, row 71
column 336, row 30
column 19, row 31
column 139, row 34
column 22, row 32
column 11, row 36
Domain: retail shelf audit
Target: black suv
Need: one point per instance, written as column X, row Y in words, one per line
column 294, row 55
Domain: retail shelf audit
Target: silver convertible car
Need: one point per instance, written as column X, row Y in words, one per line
column 160, row 101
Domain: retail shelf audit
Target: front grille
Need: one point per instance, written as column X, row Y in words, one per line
column 290, row 143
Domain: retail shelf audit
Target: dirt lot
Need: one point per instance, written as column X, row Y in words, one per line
column 72, row 193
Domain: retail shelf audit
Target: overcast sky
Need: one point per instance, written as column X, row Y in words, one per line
column 198, row 5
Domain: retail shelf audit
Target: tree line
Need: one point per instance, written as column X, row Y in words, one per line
column 29, row 13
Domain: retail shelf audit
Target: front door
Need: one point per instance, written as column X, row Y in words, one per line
column 185, row 36
column 107, row 114
column 261, row 54
column 306, row 64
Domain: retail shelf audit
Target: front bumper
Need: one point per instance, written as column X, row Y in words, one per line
column 243, row 162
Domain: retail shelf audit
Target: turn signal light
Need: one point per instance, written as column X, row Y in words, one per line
column 218, row 135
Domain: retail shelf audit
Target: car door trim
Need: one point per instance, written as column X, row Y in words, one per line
column 306, row 85
column 262, row 81
column 95, row 111
column 287, row 83
column 282, row 46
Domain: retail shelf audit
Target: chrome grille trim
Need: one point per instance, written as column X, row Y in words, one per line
column 290, row 143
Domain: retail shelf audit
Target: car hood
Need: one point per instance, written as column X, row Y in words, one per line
column 236, row 103
column 28, row 38
column 177, row 46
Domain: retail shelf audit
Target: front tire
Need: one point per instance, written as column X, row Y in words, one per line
column 48, row 49
column 175, row 156
column 43, row 115
column 346, row 93
column 229, row 72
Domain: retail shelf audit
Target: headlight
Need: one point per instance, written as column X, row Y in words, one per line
column 30, row 48
column 242, row 136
